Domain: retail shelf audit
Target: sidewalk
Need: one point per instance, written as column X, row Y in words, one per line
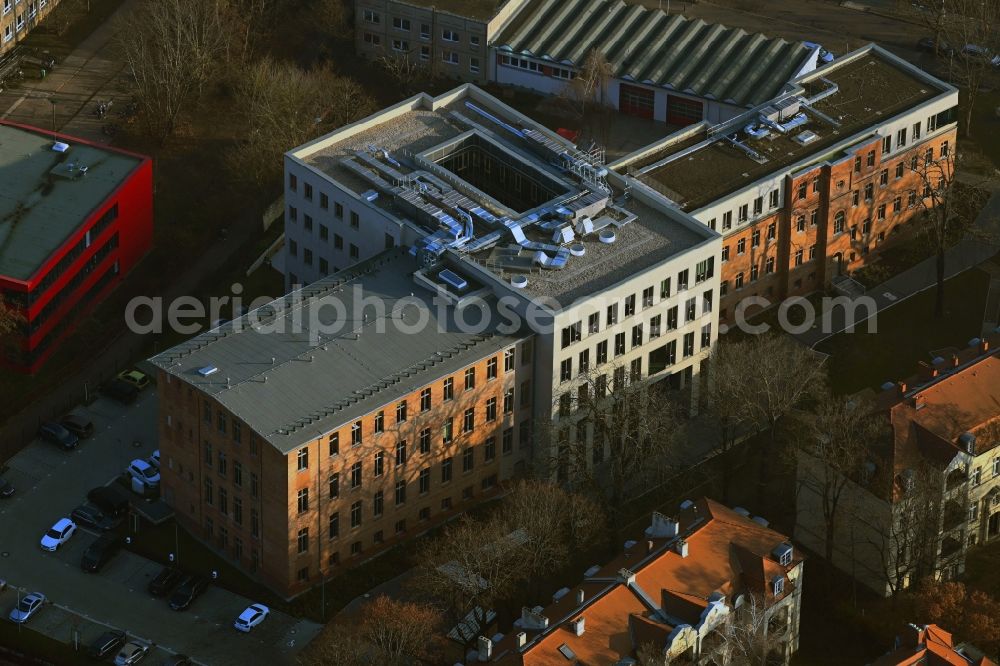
column 966, row 254
column 88, row 74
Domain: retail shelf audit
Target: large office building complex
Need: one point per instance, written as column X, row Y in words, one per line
column 75, row 218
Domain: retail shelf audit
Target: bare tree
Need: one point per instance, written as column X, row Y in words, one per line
column 756, row 382
column 470, row 568
column 636, row 432
column 11, row 316
column 587, row 93
column 947, row 207
column 284, row 106
column 972, row 27
column 172, row 49
column 906, row 538
column 932, row 15
column 557, row 524
column 833, row 452
column 332, row 17
column 405, row 70
column 255, row 20
column 402, row 632
column 337, row 644
column 745, row 635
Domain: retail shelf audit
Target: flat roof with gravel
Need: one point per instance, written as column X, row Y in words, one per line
column 871, row 88
column 45, row 195
column 422, row 134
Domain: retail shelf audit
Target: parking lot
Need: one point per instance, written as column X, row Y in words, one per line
column 49, row 484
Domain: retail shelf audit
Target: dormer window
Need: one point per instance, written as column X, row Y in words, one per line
column 783, row 554
column 778, row 585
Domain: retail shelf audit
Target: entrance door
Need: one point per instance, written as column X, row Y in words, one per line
column 683, row 111
column 636, row 101
column 993, row 527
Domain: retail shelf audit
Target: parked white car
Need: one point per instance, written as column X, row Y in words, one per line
column 28, row 606
column 144, row 472
column 251, row 617
column 58, row 534
column 131, row 653
column 154, row 459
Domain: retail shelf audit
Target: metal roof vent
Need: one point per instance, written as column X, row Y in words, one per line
column 805, row 138
column 60, row 147
column 577, row 250
column 607, row 236
column 519, row 282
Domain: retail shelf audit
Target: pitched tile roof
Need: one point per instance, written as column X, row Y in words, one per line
column 930, row 645
column 649, row 592
column 647, row 45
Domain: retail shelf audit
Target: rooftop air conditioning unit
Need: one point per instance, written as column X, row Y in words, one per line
column 806, row 137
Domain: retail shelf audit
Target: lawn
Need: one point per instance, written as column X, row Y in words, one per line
column 906, row 334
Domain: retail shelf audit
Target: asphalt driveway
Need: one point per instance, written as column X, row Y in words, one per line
column 49, row 484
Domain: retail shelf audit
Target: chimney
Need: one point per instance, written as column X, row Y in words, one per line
column 984, row 346
column 579, row 597
column 649, row 546
column 626, row 576
column 532, row 618
column 954, row 360
column 521, row 638
column 919, row 402
column 662, row 527
column 485, row 649
column 578, row 626
column 902, row 388
column 681, row 547
column 927, row 371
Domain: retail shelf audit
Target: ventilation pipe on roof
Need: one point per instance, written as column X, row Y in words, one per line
column 521, row 638
column 662, row 527
column 902, row 388
column 954, row 360
column 579, row 597
column 681, row 546
column 578, row 626
column 919, row 402
column 984, row 346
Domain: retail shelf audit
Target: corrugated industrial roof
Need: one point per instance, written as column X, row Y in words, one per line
column 293, row 377
column 648, row 46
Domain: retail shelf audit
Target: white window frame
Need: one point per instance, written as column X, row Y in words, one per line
column 371, row 16
column 473, row 68
column 8, row 6
column 425, row 52
column 449, row 35
column 399, row 23
column 19, row 22
column 446, row 57
column 400, row 46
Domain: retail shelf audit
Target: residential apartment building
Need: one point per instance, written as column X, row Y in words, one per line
column 452, row 38
column 75, row 218
column 315, row 432
column 930, row 644
column 19, row 17
column 674, row 596
column 806, row 185
column 612, row 279
column 930, row 490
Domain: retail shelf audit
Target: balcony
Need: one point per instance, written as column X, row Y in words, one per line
column 950, row 546
column 954, row 516
column 956, row 479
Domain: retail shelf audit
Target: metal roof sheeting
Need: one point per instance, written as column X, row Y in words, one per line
column 648, row 46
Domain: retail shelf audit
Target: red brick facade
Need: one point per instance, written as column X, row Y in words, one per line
column 290, row 519
column 833, row 219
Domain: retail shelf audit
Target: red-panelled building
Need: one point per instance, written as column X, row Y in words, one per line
column 75, row 218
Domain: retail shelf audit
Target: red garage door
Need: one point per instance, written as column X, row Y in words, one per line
column 683, row 111
column 635, row 101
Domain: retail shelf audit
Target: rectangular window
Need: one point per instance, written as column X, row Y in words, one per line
column 468, row 459
column 425, row 400
column 508, row 401
column 380, row 422
column 490, row 449
column 916, row 131
column 303, row 540
column 303, row 500
column 773, row 199
column 727, row 220
column 469, row 420
column 334, row 525
column 447, row 431
column 566, row 370
column 356, row 514
column 334, row 485
column 446, row 470
column 758, row 206
column 602, row 352
column 400, row 492
column 886, row 144
column 424, row 480
column 356, row 475
column 665, row 288
column 448, row 389
column 400, row 453
column 630, row 305
column 378, row 504
column 491, row 410
column 334, row 446
column 619, row 344
column 303, row 459
column 901, row 138
column 637, row 336
column 449, row 35
column 491, row 368
column 470, row 379
column 508, row 360
column 379, row 464
column 744, row 213
column 612, row 317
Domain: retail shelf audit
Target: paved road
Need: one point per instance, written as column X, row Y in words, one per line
column 964, row 255
column 50, row 483
column 89, row 73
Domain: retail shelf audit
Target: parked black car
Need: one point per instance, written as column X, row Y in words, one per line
column 177, row 660
column 6, row 490
column 165, row 581
column 106, row 645
column 51, row 431
column 78, row 424
column 943, row 47
column 111, row 500
column 189, row 590
column 100, row 552
column 91, row 516
column 120, row 390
